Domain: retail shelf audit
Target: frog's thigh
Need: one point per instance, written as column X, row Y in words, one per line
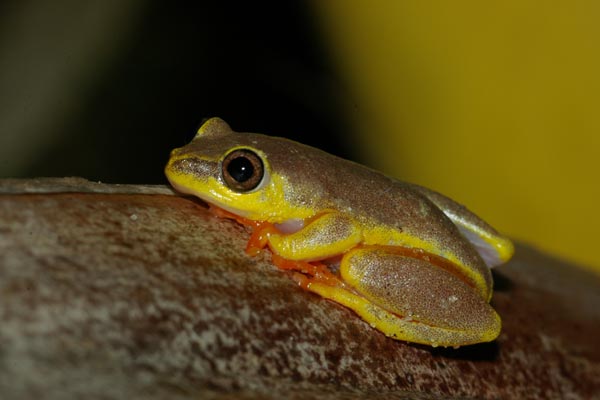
column 329, row 235
column 417, row 301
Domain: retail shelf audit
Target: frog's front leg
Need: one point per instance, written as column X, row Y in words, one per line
column 410, row 299
column 327, row 235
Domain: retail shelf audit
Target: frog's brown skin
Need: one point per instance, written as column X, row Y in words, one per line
column 407, row 267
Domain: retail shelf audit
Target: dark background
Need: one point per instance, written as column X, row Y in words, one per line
column 262, row 67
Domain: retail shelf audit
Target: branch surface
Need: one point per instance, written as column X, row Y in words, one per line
column 126, row 291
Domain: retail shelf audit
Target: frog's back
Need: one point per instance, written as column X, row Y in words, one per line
column 329, row 182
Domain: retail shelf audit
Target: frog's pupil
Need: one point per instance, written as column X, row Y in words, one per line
column 240, row 169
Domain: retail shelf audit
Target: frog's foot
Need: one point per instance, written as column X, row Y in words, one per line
column 410, row 299
column 260, row 237
column 260, row 230
column 307, row 273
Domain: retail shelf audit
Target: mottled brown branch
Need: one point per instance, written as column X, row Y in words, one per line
column 124, row 291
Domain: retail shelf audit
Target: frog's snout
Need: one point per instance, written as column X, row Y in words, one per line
column 187, row 165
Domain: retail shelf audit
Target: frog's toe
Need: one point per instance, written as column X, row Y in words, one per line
column 413, row 300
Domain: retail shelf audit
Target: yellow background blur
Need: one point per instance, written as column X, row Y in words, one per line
column 494, row 104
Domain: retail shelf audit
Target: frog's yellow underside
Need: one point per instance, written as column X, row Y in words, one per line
column 414, row 264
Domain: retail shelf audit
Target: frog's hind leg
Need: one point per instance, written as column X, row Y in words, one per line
column 410, row 299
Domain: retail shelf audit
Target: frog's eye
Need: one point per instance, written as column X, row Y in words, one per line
column 242, row 170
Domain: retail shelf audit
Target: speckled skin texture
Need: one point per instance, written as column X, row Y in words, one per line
column 149, row 296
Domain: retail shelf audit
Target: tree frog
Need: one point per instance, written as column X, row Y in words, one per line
column 411, row 262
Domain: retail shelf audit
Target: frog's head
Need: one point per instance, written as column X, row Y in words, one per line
column 232, row 171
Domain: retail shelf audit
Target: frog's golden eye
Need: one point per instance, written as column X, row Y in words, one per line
column 242, row 170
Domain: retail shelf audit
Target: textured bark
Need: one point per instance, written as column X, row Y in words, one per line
column 121, row 291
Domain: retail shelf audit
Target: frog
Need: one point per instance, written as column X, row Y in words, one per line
column 412, row 263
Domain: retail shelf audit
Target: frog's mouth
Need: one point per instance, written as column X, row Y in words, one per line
column 189, row 184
